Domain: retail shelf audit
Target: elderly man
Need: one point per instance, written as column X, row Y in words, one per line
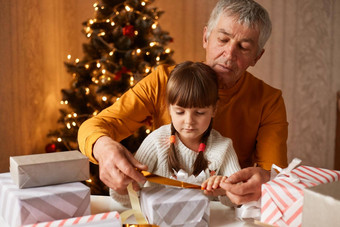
column 250, row 112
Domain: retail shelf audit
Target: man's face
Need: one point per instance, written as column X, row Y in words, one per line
column 230, row 49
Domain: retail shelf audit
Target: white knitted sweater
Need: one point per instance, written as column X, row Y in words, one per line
column 153, row 152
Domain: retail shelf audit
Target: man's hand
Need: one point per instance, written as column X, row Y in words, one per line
column 117, row 166
column 245, row 185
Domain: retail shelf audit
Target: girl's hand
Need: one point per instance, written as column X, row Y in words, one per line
column 212, row 187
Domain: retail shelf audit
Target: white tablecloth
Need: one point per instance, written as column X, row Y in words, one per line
column 220, row 215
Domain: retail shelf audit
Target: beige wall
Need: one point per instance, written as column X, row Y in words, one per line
column 301, row 59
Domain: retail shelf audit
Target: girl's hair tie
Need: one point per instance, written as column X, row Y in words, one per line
column 201, row 148
column 172, row 139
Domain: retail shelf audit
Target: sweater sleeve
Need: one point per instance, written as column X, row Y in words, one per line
column 126, row 115
column 271, row 145
column 230, row 165
column 147, row 152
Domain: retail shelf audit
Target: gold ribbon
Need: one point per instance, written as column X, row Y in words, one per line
column 136, row 211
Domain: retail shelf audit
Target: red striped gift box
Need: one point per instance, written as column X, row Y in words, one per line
column 282, row 197
column 111, row 219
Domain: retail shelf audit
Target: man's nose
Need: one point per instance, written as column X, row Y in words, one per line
column 230, row 51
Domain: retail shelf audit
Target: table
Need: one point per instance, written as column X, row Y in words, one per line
column 220, row 215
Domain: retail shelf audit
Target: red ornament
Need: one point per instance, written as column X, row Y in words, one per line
column 51, row 147
column 118, row 75
column 129, row 31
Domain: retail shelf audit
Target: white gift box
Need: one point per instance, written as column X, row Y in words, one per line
column 321, row 205
column 282, row 197
column 168, row 206
column 108, row 219
column 49, row 168
column 33, row 205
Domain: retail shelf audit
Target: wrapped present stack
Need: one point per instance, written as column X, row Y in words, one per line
column 44, row 187
column 282, row 200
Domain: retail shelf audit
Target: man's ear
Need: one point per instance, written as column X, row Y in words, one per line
column 257, row 58
column 205, row 38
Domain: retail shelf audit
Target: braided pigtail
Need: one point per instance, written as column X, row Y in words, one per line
column 201, row 163
column 173, row 162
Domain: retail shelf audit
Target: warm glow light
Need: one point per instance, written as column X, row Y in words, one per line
column 136, row 32
column 154, row 26
column 98, row 65
column 69, row 115
column 75, row 114
column 69, row 56
column 68, row 125
column 107, row 20
column 147, row 70
column 147, row 131
column 111, row 53
column 103, row 71
column 95, row 4
column 87, row 66
column 77, row 60
column 89, row 181
column 101, row 34
column 87, row 91
column 112, row 23
column 143, row 3
column 132, row 79
column 128, row 8
column 168, row 50
column 74, row 123
column 138, row 51
column 104, row 98
column 88, row 35
column 147, row 53
column 91, row 21
column 158, row 58
column 152, row 44
column 59, row 140
column 95, row 113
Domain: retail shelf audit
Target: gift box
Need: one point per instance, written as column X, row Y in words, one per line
column 108, row 219
column 321, row 205
column 39, row 204
column 282, row 197
column 168, row 206
column 49, row 168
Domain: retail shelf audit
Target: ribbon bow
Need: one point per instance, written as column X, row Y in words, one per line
column 287, row 172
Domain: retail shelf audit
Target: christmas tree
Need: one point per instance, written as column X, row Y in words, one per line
column 125, row 42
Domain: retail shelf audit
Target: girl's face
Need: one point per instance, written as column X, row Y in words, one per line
column 191, row 123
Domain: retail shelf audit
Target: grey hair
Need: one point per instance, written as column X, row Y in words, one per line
column 248, row 13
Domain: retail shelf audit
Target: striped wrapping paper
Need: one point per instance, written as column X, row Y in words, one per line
column 282, row 197
column 168, row 206
column 33, row 205
column 111, row 219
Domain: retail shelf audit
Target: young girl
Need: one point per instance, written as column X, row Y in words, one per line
column 189, row 143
